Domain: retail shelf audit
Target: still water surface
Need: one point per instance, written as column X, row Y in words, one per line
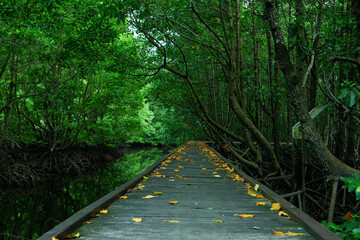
column 28, row 213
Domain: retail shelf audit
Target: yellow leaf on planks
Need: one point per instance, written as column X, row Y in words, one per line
column 70, row 236
column 158, row 193
column 137, row 219
column 172, row 221
column 275, row 206
column 251, row 193
column 54, row 238
column 123, row 197
column 173, row 202
column 288, row 233
column 104, row 211
column 218, row 221
column 148, row 196
column 282, row 213
column 260, row 203
column 244, row 215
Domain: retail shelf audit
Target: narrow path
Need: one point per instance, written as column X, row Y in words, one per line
column 207, row 200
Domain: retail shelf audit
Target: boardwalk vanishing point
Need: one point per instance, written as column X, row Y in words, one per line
column 192, row 193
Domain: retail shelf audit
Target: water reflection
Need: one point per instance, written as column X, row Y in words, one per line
column 28, row 213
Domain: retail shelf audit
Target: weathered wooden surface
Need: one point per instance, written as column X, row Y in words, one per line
column 205, row 192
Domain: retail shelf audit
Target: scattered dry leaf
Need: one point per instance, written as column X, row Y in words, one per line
column 104, row 211
column 173, row 221
column 176, row 170
column 148, row 196
column 173, row 202
column 87, row 222
column 218, row 221
column 54, row 238
column 244, row 215
column 158, row 193
column 260, row 203
column 259, row 196
column 123, row 197
column 217, row 176
column 137, row 219
column 251, row 193
column 288, row 233
column 70, row 236
column 275, row 206
column 178, row 176
column 282, row 213
column 185, row 178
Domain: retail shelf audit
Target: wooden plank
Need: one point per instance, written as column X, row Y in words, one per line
column 309, row 223
column 201, row 199
column 79, row 217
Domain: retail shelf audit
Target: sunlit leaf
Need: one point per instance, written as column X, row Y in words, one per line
column 217, row 176
column 218, row 221
column 173, row 202
column 178, row 176
column 124, row 197
column 260, row 203
column 70, row 236
column 172, row 221
column 256, row 187
column 54, row 238
column 181, row 167
column 245, row 215
column 248, row 185
column 158, row 193
column 275, row 206
column 214, row 173
column 288, row 233
column 282, row 213
column 87, row 222
column 148, row 196
column 278, row 232
column 137, row 219
column 259, row 196
column 176, row 170
column 185, row 178
column 145, row 177
column 104, row 211
column 251, row 193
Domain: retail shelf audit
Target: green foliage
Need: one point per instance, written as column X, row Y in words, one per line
column 350, row 229
column 349, row 91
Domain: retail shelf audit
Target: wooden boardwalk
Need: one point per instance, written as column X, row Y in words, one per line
column 193, row 194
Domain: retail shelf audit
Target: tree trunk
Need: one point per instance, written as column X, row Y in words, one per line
column 297, row 100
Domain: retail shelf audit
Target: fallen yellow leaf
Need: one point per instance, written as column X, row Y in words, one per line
column 214, row 172
column 148, row 196
column 251, row 193
column 181, row 167
column 173, row 221
column 54, row 238
column 145, row 177
column 275, row 206
column 176, row 170
column 178, row 176
column 104, row 211
column 244, row 215
column 260, row 203
column 173, row 202
column 158, row 193
column 137, row 219
column 288, row 233
column 123, row 197
column 87, row 222
column 185, row 178
column 248, row 185
column 282, row 213
column 259, row 196
column 218, row 221
column 256, row 187
column 217, row 176
column 69, row 236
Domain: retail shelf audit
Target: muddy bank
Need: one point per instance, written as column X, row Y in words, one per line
column 32, row 165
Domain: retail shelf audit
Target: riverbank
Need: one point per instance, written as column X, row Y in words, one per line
column 31, row 165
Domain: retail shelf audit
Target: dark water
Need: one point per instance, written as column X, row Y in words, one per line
column 28, row 213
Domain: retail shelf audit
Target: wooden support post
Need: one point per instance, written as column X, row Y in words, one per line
column 333, row 200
